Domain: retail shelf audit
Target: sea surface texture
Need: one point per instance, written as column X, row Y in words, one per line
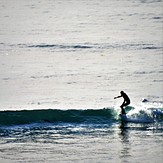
column 62, row 62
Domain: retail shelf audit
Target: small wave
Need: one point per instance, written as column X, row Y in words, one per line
column 157, row 17
column 151, row 47
column 150, row 1
column 94, row 46
column 158, row 81
column 1, row 43
column 46, row 76
column 60, row 46
column 55, row 116
column 144, row 72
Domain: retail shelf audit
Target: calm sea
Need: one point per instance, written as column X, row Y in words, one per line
column 62, row 62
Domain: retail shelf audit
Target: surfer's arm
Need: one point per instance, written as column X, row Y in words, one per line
column 117, row 97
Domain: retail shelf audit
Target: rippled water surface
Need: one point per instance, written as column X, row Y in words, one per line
column 79, row 54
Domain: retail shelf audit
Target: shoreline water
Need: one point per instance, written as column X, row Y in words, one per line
column 72, row 142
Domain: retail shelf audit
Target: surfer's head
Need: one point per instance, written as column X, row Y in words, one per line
column 121, row 92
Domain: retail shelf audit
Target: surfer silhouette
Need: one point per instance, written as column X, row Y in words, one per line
column 126, row 101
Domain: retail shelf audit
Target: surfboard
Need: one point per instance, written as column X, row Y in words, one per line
column 125, row 118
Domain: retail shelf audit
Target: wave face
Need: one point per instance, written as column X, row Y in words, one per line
column 56, row 115
column 87, row 116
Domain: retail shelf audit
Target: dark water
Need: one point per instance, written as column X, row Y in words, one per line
column 78, row 136
column 55, row 135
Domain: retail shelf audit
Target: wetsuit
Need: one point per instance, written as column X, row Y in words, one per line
column 125, row 103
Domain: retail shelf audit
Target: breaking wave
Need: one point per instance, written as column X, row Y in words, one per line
column 87, row 116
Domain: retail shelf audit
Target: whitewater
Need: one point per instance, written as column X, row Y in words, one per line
column 62, row 63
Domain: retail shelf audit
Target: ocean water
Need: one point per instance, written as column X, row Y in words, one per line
column 62, row 62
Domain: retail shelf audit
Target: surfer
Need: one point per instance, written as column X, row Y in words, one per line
column 126, row 101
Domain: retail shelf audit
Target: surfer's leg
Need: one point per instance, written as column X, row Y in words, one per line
column 122, row 110
column 126, row 103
